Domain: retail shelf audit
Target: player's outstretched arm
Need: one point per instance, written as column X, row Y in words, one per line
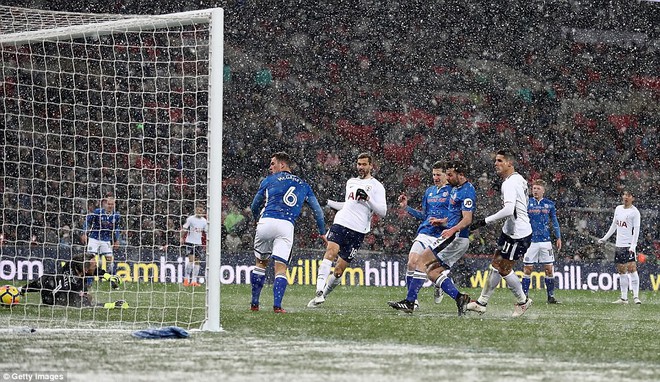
column 335, row 205
column 32, row 286
column 506, row 211
column 318, row 213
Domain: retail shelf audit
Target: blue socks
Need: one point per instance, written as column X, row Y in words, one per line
column 449, row 288
column 526, row 281
column 257, row 279
column 279, row 287
column 550, row 286
column 413, row 288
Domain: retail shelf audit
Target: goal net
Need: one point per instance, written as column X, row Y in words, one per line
column 94, row 107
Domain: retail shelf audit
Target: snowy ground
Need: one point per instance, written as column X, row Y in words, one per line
column 226, row 356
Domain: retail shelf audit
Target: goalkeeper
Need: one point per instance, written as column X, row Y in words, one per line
column 68, row 287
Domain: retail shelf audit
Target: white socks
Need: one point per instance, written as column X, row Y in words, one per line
column 624, row 281
column 494, row 279
column 634, row 284
column 324, row 271
column 514, row 284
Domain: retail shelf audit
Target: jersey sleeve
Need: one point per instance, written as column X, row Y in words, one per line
column 258, row 200
column 469, row 200
column 87, row 224
column 117, row 232
column 378, row 201
column 612, row 228
column 555, row 222
column 34, row 285
column 317, row 210
column 186, row 225
column 509, row 200
column 636, row 227
column 419, row 215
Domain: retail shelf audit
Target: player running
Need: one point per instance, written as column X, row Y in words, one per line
column 435, row 205
column 436, row 260
column 365, row 195
column 515, row 238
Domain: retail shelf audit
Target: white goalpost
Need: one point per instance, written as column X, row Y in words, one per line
column 98, row 106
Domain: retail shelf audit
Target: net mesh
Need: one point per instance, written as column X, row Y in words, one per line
column 95, row 114
column 17, row 20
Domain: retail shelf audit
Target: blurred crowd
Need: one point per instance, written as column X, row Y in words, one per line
column 565, row 83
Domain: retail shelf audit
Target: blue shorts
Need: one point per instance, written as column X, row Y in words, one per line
column 622, row 255
column 513, row 249
column 349, row 241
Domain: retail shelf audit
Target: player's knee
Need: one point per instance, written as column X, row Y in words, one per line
column 503, row 266
column 261, row 263
column 412, row 261
column 432, row 268
column 332, row 251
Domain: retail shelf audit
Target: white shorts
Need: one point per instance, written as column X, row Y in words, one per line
column 274, row 237
column 103, row 248
column 421, row 242
column 540, row 253
column 454, row 251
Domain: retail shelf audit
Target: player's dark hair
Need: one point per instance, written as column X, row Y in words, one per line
column 283, row 157
column 441, row 165
column 459, row 166
column 508, row 154
column 629, row 191
column 365, row 155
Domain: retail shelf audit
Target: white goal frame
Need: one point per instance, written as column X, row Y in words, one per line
column 99, row 24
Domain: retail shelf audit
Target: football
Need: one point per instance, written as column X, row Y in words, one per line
column 9, row 295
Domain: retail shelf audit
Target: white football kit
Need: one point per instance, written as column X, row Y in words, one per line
column 195, row 226
column 515, row 199
column 356, row 214
column 626, row 223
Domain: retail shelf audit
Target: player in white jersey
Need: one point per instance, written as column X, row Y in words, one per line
column 191, row 235
column 626, row 223
column 515, row 238
column 364, row 196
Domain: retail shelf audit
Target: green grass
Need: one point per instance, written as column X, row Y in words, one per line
column 355, row 336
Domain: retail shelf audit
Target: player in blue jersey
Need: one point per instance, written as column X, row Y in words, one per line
column 282, row 195
column 437, row 259
column 435, row 206
column 101, row 232
column 541, row 213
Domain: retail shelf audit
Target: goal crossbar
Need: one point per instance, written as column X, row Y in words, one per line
column 123, row 24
